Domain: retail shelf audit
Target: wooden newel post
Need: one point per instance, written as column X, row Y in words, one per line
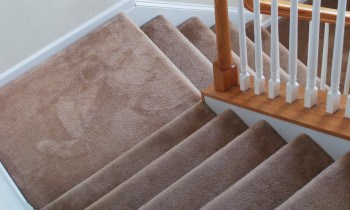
column 225, row 72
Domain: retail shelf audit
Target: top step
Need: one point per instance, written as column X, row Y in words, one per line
column 85, row 106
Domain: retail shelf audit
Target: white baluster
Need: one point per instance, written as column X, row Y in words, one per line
column 347, row 111
column 244, row 75
column 334, row 95
column 347, row 78
column 292, row 88
column 274, row 82
column 311, row 89
column 259, row 79
column 325, row 57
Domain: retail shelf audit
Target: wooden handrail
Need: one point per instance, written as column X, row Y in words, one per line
column 225, row 72
column 305, row 11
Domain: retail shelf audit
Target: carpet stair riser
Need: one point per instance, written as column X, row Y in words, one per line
column 171, row 166
column 221, row 170
column 138, row 157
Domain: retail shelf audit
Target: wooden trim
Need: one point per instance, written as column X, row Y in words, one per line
column 315, row 118
column 305, row 11
column 225, row 72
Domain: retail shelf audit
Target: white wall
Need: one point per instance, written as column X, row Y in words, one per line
column 29, row 25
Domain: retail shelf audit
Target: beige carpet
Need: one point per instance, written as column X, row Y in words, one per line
column 221, row 170
column 112, row 123
column 196, row 67
column 330, row 190
column 135, row 159
column 85, row 106
column 164, row 171
column 204, row 39
column 276, row 179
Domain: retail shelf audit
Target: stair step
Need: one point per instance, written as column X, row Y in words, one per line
column 277, row 178
column 168, row 168
column 234, row 34
column 329, row 190
column 195, row 66
column 85, row 106
column 221, row 170
column 204, row 39
column 284, row 53
column 138, row 157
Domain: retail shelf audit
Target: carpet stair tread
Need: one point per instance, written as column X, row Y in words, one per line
column 221, row 170
column 204, row 39
column 85, row 106
column 277, row 178
column 329, row 190
column 175, row 163
column 195, row 66
column 139, row 156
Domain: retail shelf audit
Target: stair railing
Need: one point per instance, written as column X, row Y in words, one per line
column 225, row 72
column 327, row 15
column 225, row 75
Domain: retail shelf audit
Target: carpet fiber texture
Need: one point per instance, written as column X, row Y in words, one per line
column 329, row 190
column 171, row 166
column 138, row 157
column 115, row 121
column 221, row 170
column 85, row 106
column 204, row 39
column 195, row 66
column 276, row 179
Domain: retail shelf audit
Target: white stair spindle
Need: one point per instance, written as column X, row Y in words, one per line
column 325, row 57
column 259, row 79
column 311, row 89
column 292, row 88
column 274, row 82
column 347, row 78
column 334, row 95
column 347, row 111
column 244, row 76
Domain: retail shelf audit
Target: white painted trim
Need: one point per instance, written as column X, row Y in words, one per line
column 178, row 12
column 334, row 146
column 64, row 41
column 140, row 11
column 10, row 196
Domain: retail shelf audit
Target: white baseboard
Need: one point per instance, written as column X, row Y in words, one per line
column 64, row 41
column 334, row 146
column 10, row 196
column 140, row 11
column 177, row 12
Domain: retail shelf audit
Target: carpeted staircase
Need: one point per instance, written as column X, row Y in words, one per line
column 115, row 121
